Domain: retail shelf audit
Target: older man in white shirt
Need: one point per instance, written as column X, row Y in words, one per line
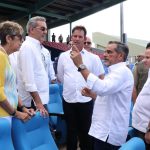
column 110, row 117
column 33, row 82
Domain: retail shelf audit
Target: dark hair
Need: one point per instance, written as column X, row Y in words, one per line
column 80, row 28
column 9, row 28
column 121, row 47
column 148, row 45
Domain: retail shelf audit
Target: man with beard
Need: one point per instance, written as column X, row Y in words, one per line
column 77, row 108
column 110, row 119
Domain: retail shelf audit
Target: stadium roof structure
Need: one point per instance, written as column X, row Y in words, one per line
column 57, row 12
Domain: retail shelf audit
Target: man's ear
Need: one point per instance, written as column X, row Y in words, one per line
column 8, row 38
column 71, row 38
column 121, row 56
column 85, row 38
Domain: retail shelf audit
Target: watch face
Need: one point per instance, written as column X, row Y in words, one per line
column 81, row 67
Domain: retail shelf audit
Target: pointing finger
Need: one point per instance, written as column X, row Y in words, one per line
column 74, row 48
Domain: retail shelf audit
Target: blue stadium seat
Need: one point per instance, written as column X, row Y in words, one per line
column 33, row 134
column 55, row 109
column 5, row 135
column 133, row 144
column 55, row 103
column 131, row 132
column 130, row 119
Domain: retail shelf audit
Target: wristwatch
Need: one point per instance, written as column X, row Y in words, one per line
column 81, row 67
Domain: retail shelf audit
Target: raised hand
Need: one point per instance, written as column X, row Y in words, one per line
column 76, row 56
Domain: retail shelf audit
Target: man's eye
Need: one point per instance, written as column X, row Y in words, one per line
column 108, row 52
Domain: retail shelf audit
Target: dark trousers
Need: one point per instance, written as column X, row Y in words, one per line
column 78, row 120
column 100, row 145
column 142, row 136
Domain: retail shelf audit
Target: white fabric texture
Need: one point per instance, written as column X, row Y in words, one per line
column 72, row 80
column 110, row 117
column 32, row 75
column 141, row 109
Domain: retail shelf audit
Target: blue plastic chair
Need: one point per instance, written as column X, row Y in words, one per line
column 60, row 89
column 133, row 144
column 33, row 134
column 55, row 109
column 54, row 106
column 130, row 119
column 5, row 135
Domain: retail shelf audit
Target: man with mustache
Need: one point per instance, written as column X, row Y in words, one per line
column 110, row 119
column 77, row 108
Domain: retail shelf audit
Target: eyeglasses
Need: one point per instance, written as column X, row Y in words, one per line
column 20, row 36
column 41, row 28
column 87, row 43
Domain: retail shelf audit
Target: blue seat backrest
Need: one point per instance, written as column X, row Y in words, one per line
column 5, row 135
column 33, row 134
column 54, row 93
column 134, row 143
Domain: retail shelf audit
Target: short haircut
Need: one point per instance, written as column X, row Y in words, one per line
column 148, row 45
column 32, row 23
column 121, row 47
column 80, row 28
column 9, row 28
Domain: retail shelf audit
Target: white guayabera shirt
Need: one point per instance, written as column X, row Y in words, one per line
column 110, row 119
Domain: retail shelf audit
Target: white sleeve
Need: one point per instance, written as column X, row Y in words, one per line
column 51, row 70
column 60, row 68
column 109, row 85
column 26, row 64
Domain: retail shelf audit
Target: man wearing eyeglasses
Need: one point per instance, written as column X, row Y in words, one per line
column 88, row 47
column 88, row 44
column 33, row 82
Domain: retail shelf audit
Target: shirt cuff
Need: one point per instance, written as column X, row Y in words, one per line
column 53, row 78
column 91, row 80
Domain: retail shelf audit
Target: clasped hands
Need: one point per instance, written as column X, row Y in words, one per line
column 25, row 115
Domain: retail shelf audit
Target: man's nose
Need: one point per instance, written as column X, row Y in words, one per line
column 105, row 54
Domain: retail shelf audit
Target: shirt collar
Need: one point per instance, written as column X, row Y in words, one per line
column 83, row 51
column 115, row 66
column 35, row 41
